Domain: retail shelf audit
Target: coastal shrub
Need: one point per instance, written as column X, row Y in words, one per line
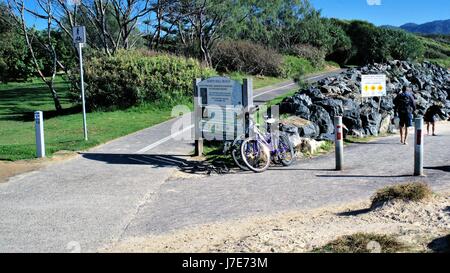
column 415, row 191
column 246, row 57
column 361, row 243
column 130, row 78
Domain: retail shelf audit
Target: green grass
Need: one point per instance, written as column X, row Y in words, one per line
column 361, row 243
column 442, row 62
column 18, row 101
column 438, row 47
column 258, row 81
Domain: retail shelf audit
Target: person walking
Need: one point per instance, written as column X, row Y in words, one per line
column 405, row 106
column 430, row 117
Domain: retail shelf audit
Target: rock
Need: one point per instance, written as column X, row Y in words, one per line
column 321, row 117
column 340, row 95
column 385, row 123
column 310, row 130
column 303, row 127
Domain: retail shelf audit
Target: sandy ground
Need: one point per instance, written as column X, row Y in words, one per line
column 9, row 169
column 415, row 224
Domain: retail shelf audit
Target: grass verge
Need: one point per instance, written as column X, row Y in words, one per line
column 363, row 243
column 64, row 131
column 415, row 191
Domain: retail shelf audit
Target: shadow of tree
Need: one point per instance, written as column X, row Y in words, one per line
column 24, row 114
column 162, row 161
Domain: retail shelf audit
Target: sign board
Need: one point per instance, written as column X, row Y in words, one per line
column 373, row 85
column 79, row 35
column 222, row 103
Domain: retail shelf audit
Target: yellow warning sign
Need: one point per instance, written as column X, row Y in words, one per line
column 373, row 85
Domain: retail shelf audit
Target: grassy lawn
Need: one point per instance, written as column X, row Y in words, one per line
column 258, row 81
column 18, row 101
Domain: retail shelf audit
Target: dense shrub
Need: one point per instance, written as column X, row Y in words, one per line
column 246, row 57
column 130, row 78
column 374, row 44
column 295, row 67
column 314, row 55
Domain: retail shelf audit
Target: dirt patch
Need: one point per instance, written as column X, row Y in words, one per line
column 415, row 224
column 9, row 169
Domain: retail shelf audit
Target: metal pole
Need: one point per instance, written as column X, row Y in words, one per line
column 82, row 92
column 418, row 147
column 198, row 118
column 40, row 142
column 339, row 143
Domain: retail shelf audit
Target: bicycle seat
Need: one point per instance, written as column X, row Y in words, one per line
column 270, row 121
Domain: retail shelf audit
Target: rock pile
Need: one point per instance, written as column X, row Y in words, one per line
column 340, row 95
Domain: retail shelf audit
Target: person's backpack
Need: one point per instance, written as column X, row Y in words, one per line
column 404, row 104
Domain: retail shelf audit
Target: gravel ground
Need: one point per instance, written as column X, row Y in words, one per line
column 415, row 224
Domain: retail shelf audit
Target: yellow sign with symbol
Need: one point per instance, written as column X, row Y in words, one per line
column 373, row 85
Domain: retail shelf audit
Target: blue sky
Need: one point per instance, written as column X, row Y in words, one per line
column 389, row 12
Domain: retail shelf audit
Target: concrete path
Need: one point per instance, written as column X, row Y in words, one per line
column 92, row 199
column 305, row 185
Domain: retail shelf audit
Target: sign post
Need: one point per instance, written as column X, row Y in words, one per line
column 418, row 147
column 40, row 142
column 373, row 85
column 220, row 105
column 79, row 38
column 339, row 143
column 197, row 119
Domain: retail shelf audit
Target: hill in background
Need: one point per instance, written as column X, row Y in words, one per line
column 435, row 27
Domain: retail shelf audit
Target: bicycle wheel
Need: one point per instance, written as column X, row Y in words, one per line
column 236, row 152
column 255, row 154
column 285, row 150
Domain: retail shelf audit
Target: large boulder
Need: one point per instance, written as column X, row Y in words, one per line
column 340, row 95
column 323, row 120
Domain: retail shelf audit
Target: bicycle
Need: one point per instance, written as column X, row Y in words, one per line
column 259, row 150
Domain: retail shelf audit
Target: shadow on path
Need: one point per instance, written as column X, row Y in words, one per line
column 363, row 176
column 161, row 161
column 439, row 168
column 354, row 212
column 440, row 245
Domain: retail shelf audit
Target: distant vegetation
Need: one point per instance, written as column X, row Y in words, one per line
column 282, row 38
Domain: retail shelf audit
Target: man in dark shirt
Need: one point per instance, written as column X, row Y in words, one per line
column 405, row 106
column 430, row 116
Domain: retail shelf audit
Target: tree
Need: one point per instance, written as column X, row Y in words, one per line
column 18, row 9
column 14, row 57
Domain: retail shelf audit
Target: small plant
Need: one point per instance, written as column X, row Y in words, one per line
column 363, row 243
column 407, row 192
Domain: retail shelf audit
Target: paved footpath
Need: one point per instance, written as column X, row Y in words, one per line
column 123, row 189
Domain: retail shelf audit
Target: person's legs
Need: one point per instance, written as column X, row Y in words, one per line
column 428, row 128
column 433, row 126
column 401, row 134
column 409, row 123
column 406, row 136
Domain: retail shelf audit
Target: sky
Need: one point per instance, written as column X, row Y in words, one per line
column 378, row 12
column 386, row 12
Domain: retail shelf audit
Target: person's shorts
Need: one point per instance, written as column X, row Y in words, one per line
column 406, row 120
column 429, row 119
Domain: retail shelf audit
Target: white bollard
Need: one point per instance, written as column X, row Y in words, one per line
column 40, row 142
column 418, row 147
column 339, row 143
